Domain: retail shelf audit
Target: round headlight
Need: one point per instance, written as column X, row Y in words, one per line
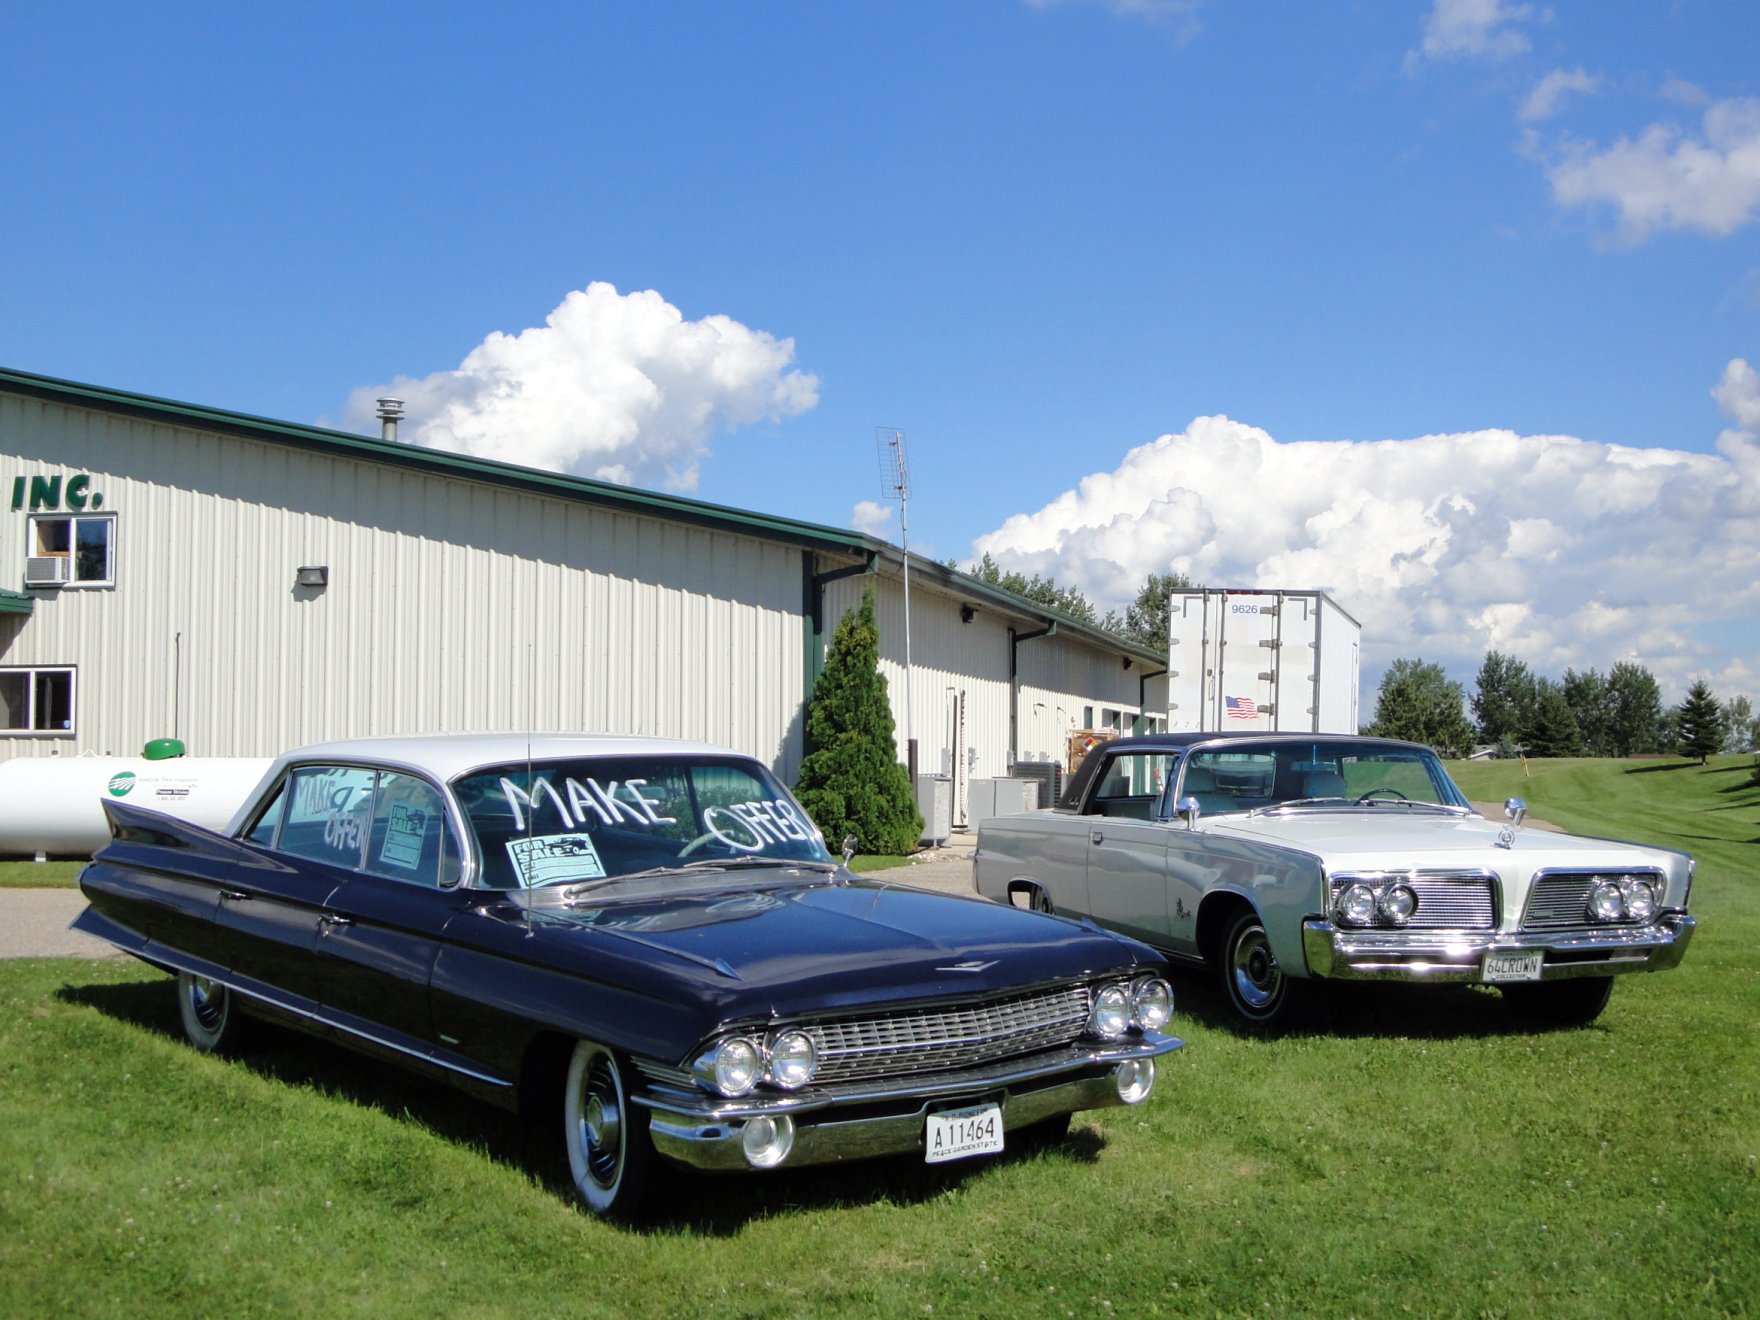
column 737, row 1066
column 793, row 1059
column 1640, row 899
column 1151, row 1003
column 1398, row 902
column 1356, row 905
column 1112, row 1012
column 1605, row 902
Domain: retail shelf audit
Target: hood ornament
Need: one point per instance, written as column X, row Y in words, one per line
column 1517, row 810
column 973, row 966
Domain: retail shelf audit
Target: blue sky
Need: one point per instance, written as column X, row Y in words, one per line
column 1442, row 306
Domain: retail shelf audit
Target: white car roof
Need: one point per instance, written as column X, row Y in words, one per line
column 447, row 755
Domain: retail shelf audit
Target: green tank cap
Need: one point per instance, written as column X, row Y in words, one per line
column 162, row 749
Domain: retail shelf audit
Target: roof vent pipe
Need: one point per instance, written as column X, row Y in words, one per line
column 389, row 411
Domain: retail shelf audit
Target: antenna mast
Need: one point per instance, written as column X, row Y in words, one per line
column 895, row 482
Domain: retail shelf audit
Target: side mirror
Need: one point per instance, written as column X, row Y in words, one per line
column 1516, row 809
column 849, row 847
column 1187, row 809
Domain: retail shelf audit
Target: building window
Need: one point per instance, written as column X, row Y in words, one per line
column 82, row 546
column 36, row 701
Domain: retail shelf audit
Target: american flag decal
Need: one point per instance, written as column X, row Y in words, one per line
column 1240, row 708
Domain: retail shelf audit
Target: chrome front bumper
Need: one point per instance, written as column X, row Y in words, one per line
column 889, row 1118
column 1337, row 954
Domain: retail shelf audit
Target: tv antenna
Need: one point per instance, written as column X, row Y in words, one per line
column 895, row 483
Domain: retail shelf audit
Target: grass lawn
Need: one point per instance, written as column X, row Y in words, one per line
column 39, row 875
column 1428, row 1154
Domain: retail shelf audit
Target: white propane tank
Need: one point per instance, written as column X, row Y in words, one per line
column 53, row 805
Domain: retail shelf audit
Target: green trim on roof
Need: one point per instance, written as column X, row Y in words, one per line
column 16, row 602
column 439, row 462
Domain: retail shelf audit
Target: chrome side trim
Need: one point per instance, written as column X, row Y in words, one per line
column 246, row 988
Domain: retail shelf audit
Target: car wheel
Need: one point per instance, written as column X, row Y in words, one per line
column 1572, row 1003
column 211, row 1019
column 609, row 1151
column 1040, row 901
column 1257, row 989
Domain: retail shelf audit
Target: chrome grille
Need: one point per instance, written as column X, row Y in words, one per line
column 953, row 1037
column 1560, row 899
column 1457, row 900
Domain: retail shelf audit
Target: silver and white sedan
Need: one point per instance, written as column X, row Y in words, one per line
column 1285, row 860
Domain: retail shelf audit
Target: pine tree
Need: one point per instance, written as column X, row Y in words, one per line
column 851, row 781
column 1552, row 727
column 1699, row 722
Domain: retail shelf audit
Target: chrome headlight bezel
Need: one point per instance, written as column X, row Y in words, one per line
column 1110, row 1016
column 1640, row 896
column 1606, row 902
column 1355, row 904
column 1397, row 904
column 733, row 1066
column 791, row 1058
column 1151, row 1003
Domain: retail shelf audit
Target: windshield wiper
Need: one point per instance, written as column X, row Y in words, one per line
column 1298, row 802
column 699, row 866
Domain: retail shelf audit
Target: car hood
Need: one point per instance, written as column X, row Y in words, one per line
column 1386, row 838
column 814, row 947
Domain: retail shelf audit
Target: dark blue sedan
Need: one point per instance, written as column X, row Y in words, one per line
column 648, row 937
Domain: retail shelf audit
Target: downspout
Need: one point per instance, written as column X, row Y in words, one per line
column 1014, row 686
column 813, row 593
column 1143, row 685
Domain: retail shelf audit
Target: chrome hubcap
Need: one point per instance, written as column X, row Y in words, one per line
column 1256, row 978
column 602, row 1125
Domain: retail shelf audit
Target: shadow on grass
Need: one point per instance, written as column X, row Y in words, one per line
column 1663, row 769
column 718, row 1205
column 1369, row 1011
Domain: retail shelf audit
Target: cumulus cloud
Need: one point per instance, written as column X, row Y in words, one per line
column 1543, row 101
column 1561, row 551
column 872, row 517
column 1473, row 29
column 1667, row 178
column 615, row 386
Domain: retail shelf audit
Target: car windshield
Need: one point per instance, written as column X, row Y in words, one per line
column 1312, row 772
column 604, row 818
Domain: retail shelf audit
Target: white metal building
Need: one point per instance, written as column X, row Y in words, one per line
column 245, row 585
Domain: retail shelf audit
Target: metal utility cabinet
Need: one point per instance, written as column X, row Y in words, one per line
column 1277, row 661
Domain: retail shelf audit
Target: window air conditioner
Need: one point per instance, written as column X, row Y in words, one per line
column 45, row 570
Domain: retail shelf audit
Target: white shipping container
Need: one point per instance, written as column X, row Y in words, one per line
column 1255, row 659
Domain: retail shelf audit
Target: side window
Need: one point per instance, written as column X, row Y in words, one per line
column 1130, row 783
column 269, row 821
column 327, row 813
column 71, row 551
column 408, row 840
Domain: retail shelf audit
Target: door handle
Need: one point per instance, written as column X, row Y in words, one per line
column 331, row 919
column 1095, row 836
column 234, row 895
